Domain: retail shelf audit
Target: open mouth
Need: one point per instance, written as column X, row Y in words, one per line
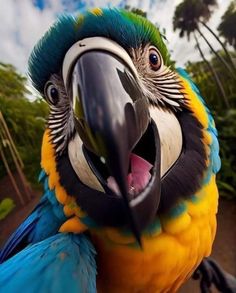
column 143, row 162
column 120, row 142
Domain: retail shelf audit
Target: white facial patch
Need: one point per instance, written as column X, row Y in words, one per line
column 171, row 146
column 170, row 136
column 80, row 165
column 167, row 123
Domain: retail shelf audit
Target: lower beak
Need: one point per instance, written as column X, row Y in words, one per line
column 111, row 116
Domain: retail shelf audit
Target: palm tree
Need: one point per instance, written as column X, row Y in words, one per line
column 214, row 74
column 208, row 12
column 227, row 27
column 222, row 60
column 186, row 19
column 188, row 15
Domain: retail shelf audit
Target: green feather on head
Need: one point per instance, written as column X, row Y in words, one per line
column 126, row 28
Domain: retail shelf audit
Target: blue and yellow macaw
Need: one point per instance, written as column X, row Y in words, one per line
column 129, row 160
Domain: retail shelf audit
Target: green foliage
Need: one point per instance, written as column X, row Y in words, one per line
column 25, row 120
column 6, row 206
column 227, row 27
column 12, row 84
column 225, row 119
column 226, row 124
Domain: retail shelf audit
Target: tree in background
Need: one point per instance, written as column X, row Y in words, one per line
column 25, row 119
column 215, row 78
column 208, row 3
column 12, row 84
column 186, row 18
column 188, row 14
column 214, row 74
column 227, row 27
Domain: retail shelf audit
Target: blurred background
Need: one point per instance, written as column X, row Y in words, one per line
column 201, row 36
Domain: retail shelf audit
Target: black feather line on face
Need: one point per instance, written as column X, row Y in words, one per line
column 98, row 207
column 185, row 177
column 60, row 120
column 181, row 182
column 161, row 87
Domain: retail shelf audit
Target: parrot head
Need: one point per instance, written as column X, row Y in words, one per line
column 127, row 134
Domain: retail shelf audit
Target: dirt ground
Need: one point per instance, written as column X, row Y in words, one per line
column 224, row 249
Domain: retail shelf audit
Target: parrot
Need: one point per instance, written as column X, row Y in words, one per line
column 129, row 162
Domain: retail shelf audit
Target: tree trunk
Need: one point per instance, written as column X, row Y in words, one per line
column 220, row 42
column 226, row 65
column 214, row 74
column 8, row 135
column 5, row 163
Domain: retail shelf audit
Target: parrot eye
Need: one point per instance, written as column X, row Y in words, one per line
column 51, row 93
column 155, row 60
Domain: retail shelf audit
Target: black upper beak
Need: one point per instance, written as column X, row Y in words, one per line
column 111, row 116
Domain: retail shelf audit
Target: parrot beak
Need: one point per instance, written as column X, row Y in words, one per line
column 120, row 142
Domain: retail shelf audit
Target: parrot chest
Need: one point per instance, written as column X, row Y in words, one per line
column 168, row 258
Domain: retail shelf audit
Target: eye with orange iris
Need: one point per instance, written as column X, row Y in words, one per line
column 154, row 59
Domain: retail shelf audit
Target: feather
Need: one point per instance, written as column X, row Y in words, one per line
column 215, row 162
column 171, row 102
column 36, row 228
column 61, row 263
column 127, row 29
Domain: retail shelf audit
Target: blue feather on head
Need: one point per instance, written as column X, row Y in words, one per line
column 126, row 28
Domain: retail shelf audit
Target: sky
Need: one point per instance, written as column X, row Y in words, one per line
column 23, row 22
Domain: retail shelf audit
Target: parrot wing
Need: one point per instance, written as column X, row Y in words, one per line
column 57, row 264
column 43, row 222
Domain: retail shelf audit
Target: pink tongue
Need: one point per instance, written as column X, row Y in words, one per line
column 137, row 179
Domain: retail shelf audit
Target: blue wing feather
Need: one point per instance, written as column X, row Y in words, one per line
column 36, row 227
column 17, row 237
column 63, row 262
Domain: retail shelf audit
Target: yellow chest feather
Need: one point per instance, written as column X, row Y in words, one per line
column 168, row 257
